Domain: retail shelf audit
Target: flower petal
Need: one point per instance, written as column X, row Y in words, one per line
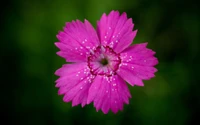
column 109, row 93
column 115, row 30
column 94, row 89
column 76, row 41
column 137, row 64
column 78, row 94
column 70, row 73
column 75, row 80
column 140, row 55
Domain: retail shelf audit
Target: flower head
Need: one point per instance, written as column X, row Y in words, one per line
column 102, row 61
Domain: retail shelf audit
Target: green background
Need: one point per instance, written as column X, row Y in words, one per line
column 28, row 62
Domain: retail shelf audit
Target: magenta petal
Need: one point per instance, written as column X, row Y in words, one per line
column 71, row 73
column 75, row 80
column 67, row 69
column 106, row 105
column 69, row 54
column 76, row 40
column 112, row 94
column 116, row 102
column 140, row 55
column 137, row 64
column 115, row 31
column 119, row 93
column 128, row 76
column 123, row 90
column 142, row 72
column 94, row 89
column 75, row 91
column 98, row 100
column 80, row 92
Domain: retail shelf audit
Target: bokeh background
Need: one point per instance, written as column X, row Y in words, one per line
column 28, row 62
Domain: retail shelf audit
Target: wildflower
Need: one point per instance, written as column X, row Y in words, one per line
column 101, row 62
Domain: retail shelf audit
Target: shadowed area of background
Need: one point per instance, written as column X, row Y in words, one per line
column 28, row 61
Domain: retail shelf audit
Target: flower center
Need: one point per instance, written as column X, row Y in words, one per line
column 103, row 61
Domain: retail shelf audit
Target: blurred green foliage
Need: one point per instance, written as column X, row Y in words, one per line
column 29, row 60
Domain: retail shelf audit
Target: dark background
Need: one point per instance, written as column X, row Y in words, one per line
column 28, row 61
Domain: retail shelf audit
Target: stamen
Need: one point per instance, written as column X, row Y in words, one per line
column 103, row 49
column 92, row 51
column 102, row 56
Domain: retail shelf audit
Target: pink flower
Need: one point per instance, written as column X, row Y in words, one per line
column 102, row 61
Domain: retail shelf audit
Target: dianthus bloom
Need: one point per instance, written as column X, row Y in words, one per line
column 102, row 61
